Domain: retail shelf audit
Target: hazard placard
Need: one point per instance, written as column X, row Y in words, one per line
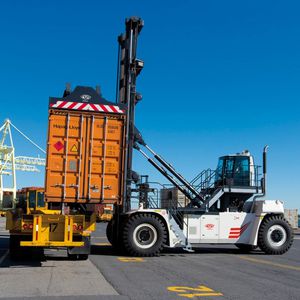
column 74, row 148
column 58, row 145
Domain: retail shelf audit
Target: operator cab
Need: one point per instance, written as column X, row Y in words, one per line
column 31, row 199
column 236, row 170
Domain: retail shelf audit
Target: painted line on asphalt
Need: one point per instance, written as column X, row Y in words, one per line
column 4, row 257
column 267, row 262
column 101, row 244
column 131, row 259
column 190, row 292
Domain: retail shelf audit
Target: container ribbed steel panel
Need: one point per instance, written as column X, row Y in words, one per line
column 85, row 152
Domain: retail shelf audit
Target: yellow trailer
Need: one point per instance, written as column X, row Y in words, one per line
column 32, row 224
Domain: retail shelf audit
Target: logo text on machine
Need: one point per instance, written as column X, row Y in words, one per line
column 210, row 226
column 85, row 97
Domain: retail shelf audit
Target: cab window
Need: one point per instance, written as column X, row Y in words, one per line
column 32, row 199
column 241, row 171
column 219, row 171
column 40, row 200
column 229, row 167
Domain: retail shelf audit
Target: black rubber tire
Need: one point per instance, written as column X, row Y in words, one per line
column 245, row 247
column 16, row 252
column 109, row 231
column 72, row 256
column 132, row 223
column 263, row 241
column 78, row 256
column 115, row 236
column 83, row 256
column 14, row 247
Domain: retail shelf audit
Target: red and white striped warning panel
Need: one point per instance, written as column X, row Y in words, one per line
column 87, row 107
column 236, row 232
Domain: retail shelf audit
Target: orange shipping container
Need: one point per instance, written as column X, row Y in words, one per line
column 85, row 155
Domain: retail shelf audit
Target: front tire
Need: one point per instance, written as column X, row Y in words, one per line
column 144, row 235
column 109, row 232
column 275, row 235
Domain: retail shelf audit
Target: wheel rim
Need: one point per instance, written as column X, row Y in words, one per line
column 276, row 235
column 145, row 236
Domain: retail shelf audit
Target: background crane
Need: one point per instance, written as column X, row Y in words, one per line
column 9, row 163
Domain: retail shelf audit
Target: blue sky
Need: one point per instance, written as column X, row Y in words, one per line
column 219, row 77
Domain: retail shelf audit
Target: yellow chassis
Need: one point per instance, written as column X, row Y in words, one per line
column 50, row 230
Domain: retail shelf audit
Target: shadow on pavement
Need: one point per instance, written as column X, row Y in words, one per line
column 108, row 250
column 22, row 262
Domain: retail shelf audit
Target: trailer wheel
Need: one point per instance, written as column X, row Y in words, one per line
column 275, row 235
column 15, row 251
column 83, row 256
column 245, row 247
column 144, row 235
column 78, row 256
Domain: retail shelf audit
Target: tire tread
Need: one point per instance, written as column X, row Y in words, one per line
column 266, row 223
column 134, row 221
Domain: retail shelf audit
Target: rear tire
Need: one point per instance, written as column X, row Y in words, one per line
column 275, row 235
column 144, row 235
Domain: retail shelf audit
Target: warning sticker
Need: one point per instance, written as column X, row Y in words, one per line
column 74, row 148
column 58, row 146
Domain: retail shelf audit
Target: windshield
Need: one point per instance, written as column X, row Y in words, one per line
column 219, row 171
column 41, row 201
column 241, row 171
column 32, row 197
column 233, row 170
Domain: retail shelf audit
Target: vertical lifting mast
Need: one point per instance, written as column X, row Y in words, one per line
column 129, row 68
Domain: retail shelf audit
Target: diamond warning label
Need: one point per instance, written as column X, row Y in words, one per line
column 74, row 148
column 58, row 146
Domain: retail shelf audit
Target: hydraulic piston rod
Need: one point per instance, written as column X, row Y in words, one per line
column 171, row 169
column 194, row 201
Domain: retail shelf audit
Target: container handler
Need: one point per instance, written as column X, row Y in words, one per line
column 225, row 205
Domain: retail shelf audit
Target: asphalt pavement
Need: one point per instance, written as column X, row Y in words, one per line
column 211, row 272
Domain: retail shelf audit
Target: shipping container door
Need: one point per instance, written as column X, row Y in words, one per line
column 64, row 160
column 105, row 159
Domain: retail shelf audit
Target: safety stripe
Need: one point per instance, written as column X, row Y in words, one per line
column 236, row 232
column 37, row 229
column 69, row 228
column 87, row 107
